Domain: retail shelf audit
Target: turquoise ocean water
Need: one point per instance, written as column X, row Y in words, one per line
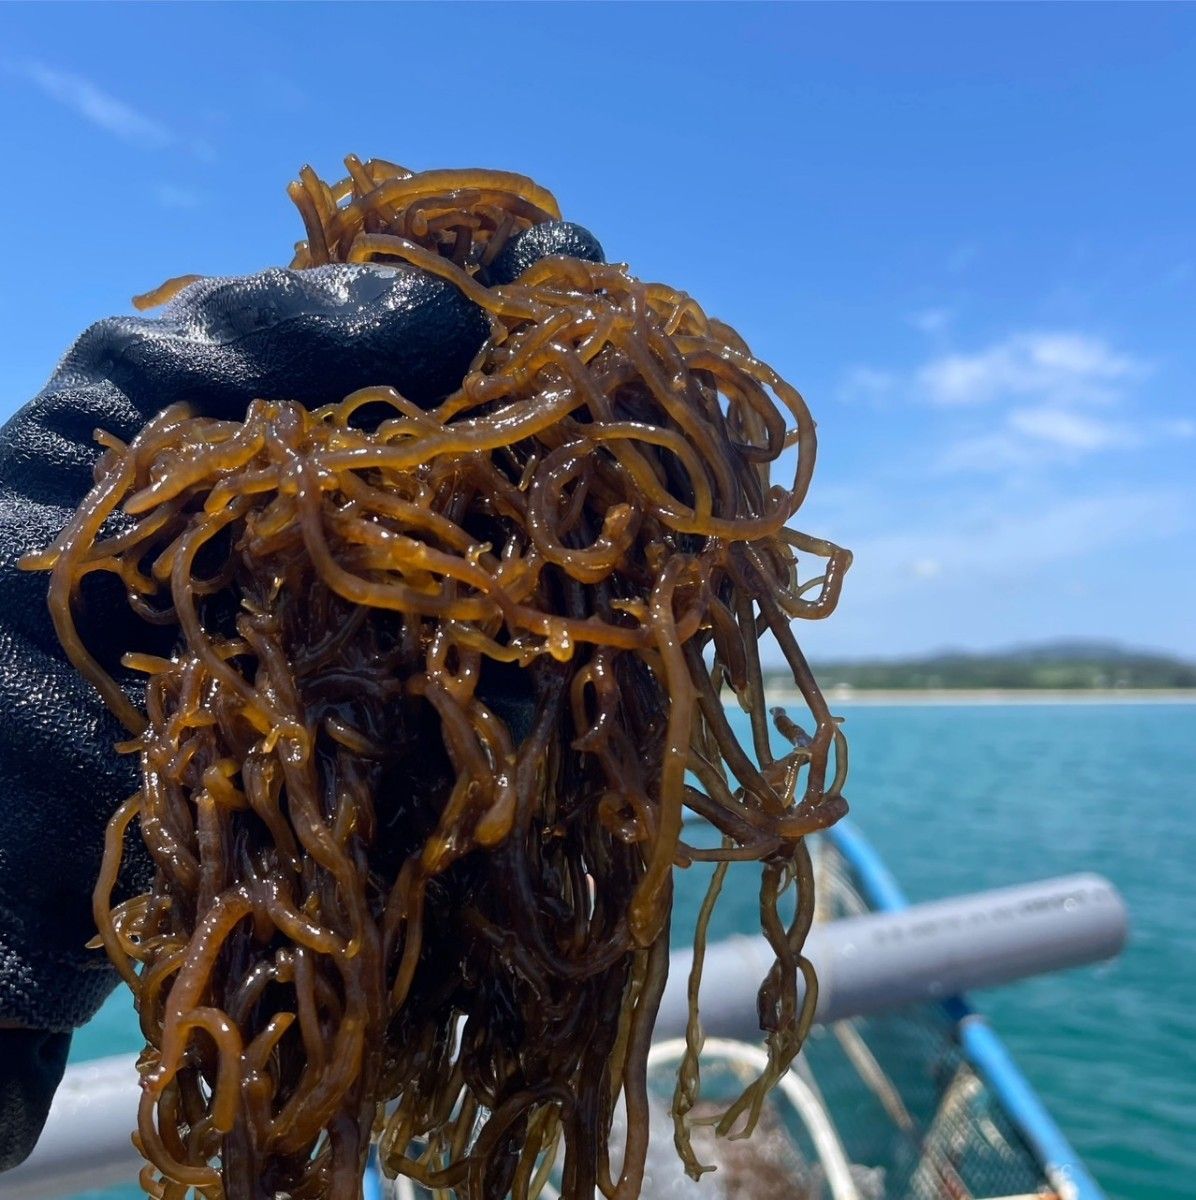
column 960, row 798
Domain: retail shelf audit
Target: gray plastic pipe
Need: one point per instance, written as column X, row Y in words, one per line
column 865, row 965
column 86, row 1142
column 883, row 961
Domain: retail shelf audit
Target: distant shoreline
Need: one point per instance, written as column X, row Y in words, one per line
column 926, row 697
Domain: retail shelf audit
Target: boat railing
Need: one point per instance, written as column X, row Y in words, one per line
column 981, row 1047
column 871, row 962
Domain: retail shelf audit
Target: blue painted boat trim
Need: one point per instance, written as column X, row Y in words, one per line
column 980, row 1043
column 371, row 1182
column 876, row 881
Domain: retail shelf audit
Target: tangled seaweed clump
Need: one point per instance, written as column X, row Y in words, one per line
column 415, row 777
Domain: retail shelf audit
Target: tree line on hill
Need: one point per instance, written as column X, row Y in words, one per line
column 1064, row 665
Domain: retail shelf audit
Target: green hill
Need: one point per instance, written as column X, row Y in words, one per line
column 1067, row 664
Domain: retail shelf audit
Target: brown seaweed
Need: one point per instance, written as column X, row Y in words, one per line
column 444, row 689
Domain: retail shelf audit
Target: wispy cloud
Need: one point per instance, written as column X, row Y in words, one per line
column 1047, row 366
column 986, row 561
column 1033, row 438
column 930, row 320
column 1001, row 543
column 171, row 195
column 863, row 384
column 1069, row 430
column 1000, row 451
column 89, row 101
column 1028, row 400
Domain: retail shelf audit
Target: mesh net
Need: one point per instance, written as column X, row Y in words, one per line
column 903, row 1099
column 911, row 1118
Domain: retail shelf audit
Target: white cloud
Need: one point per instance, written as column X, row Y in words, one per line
column 863, row 384
column 981, row 541
column 1069, row 430
column 1000, row 452
column 1058, row 368
column 1180, row 427
column 1076, row 354
column 1031, row 399
column 96, row 106
column 1009, row 563
column 930, row 320
column 170, row 195
column 1033, row 438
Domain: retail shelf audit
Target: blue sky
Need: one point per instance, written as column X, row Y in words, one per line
column 966, row 233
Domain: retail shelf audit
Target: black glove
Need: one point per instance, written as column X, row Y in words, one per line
column 311, row 336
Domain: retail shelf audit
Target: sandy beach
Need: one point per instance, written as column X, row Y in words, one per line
column 913, row 697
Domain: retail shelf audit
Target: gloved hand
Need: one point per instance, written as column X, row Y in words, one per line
column 311, row 336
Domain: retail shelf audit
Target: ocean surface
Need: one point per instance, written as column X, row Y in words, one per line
column 960, row 798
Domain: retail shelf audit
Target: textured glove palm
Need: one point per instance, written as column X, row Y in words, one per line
column 310, row 336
